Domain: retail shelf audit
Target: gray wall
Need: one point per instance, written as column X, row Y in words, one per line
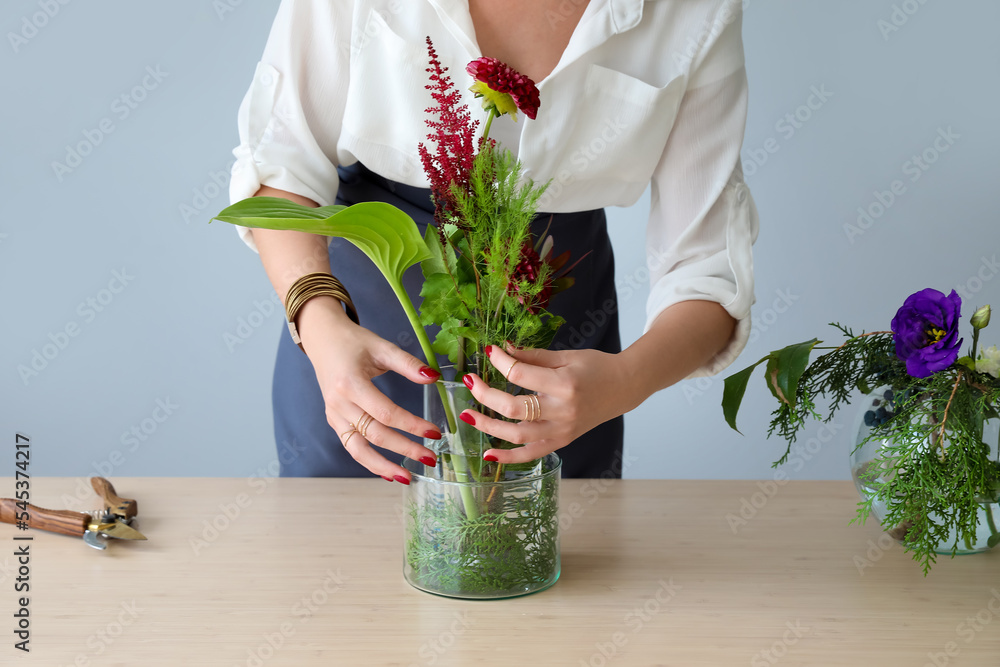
column 133, row 303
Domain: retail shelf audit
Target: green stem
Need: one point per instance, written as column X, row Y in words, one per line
column 489, row 121
column 975, row 343
column 461, row 467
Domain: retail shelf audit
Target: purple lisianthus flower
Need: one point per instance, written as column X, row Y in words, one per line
column 925, row 330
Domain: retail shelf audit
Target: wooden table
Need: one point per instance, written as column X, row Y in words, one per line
column 306, row 572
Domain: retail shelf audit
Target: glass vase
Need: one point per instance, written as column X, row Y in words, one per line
column 476, row 529
column 869, row 469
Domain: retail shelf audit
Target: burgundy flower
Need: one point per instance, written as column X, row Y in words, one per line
column 529, row 269
column 453, row 137
column 496, row 81
column 925, row 330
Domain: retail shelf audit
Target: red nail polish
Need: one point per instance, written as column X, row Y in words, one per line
column 488, row 350
column 432, row 434
column 388, row 479
column 428, row 461
column 467, row 379
column 490, row 458
column 429, row 372
column 467, row 418
column 402, row 480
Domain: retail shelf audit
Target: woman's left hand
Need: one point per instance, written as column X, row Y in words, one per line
column 576, row 389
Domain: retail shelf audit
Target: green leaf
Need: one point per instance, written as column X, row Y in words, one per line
column 993, row 541
column 791, row 363
column 967, row 362
column 732, row 393
column 387, row 235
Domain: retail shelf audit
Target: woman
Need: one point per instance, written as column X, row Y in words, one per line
column 633, row 93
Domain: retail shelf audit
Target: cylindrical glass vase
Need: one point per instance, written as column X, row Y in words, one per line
column 476, row 529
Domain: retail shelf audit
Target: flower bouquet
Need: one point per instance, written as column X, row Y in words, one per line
column 926, row 460
column 475, row 528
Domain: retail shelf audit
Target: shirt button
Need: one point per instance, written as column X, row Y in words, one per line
column 266, row 79
column 741, row 193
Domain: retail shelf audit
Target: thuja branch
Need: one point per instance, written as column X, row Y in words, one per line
column 944, row 418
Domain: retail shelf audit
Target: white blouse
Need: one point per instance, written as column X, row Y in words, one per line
column 650, row 92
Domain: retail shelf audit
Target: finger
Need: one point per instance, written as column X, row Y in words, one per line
column 510, row 406
column 537, row 356
column 517, row 433
column 392, row 357
column 522, row 374
column 361, row 451
column 530, row 452
column 381, row 407
column 360, row 446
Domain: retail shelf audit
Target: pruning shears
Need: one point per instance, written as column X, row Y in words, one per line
column 114, row 520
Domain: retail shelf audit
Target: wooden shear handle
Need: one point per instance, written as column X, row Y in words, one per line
column 65, row 522
column 125, row 507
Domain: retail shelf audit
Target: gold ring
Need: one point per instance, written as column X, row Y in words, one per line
column 364, row 423
column 532, row 410
column 348, row 435
column 512, row 367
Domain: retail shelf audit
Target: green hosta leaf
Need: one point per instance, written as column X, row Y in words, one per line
column 733, row 389
column 387, row 235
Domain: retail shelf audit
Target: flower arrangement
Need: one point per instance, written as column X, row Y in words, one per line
column 487, row 281
column 934, row 471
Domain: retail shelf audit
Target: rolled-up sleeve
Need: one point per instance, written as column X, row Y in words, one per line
column 703, row 220
column 285, row 142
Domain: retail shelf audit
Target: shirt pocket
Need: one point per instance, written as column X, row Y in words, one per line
column 385, row 69
column 609, row 140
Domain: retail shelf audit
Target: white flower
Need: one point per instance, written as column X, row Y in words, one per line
column 989, row 361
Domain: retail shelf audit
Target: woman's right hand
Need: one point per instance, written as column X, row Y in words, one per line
column 346, row 357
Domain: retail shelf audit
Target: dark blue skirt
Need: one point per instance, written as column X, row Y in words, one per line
column 309, row 447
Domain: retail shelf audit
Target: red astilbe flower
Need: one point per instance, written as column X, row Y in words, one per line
column 503, row 80
column 453, row 137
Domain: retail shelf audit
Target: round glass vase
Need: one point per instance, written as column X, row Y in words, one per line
column 868, row 467
column 476, row 529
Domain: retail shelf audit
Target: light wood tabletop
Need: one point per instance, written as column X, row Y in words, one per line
column 280, row 572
